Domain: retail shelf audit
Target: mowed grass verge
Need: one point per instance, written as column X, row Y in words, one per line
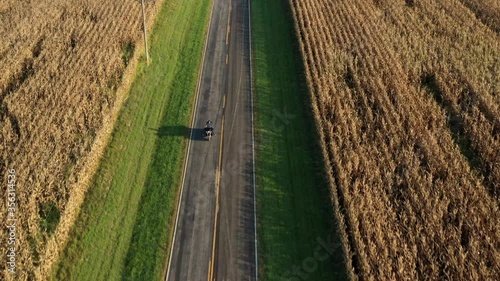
column 123, row 230
column 297, row 237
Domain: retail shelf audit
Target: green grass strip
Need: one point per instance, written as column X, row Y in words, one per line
column 124, row 227
column 297, row 238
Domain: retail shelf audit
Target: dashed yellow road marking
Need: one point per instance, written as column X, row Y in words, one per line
column 211, row 273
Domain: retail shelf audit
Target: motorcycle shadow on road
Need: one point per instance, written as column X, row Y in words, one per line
column 179, row 130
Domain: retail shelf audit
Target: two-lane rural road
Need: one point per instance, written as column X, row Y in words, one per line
column 215, row 236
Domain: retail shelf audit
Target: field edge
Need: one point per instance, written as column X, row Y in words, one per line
column 274, row 116
column 172, row 109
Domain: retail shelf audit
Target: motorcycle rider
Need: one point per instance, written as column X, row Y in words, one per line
column 209, row 124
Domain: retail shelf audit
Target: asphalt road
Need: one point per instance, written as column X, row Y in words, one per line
column 215, row 229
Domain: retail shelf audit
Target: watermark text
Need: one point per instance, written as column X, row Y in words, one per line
column 11, row 221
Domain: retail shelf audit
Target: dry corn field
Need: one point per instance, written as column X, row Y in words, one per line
column 406, row 95
column 62, row 64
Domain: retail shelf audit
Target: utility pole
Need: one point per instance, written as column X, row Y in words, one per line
column 145, row 33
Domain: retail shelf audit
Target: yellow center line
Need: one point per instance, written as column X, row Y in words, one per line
column 211, row 264
column 228, row 22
